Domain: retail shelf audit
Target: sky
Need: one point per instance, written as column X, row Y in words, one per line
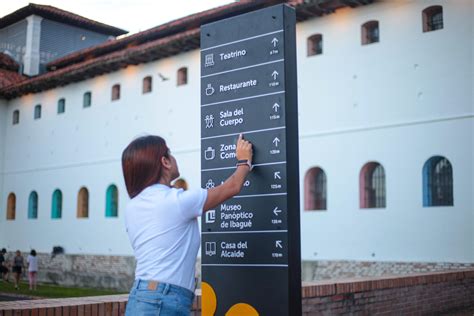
column 131, row 15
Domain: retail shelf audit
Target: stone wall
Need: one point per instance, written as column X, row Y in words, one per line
column 117, row 272
column 341, row 269
column 108, row 272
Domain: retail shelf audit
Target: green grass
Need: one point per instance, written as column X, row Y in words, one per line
column 53, row 291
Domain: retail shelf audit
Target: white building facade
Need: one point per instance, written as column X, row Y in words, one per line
column 396, row 102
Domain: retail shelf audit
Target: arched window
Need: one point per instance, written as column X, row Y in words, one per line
column 83, row 203
column 11, row 206
column 87, row 99
column 111, row 204
column 33, row 205
column 180, row 184
column 315, row 44
column 61, row 105
column 57, row 204
column 370, row 32
column 116, row 92
column 315, row 189
column 147, row 84
column 37, row 114
column 182, row 76
column 432, row 18
column 372, row 186
column 16, row 117
column 437, row 182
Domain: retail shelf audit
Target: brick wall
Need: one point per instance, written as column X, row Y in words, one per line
column 420, row 294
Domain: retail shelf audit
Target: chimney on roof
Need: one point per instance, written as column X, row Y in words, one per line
column 31, row 59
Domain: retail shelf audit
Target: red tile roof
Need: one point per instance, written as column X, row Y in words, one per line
column 9, row 71
column 9, row 78
column 160, row 42
column 170, row 28
column 8, row 63
column 58, row 15
column 157, row 49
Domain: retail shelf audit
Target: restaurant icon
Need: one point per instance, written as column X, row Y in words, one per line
column 209, row 90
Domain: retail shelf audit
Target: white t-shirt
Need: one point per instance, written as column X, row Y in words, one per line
column 32, row 263
column 163, row 230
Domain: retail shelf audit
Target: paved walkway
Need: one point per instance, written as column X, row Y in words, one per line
column 5, row 297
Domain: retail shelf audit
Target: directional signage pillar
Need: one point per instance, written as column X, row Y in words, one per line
column 251, row 262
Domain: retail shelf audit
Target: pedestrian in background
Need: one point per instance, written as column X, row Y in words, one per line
column 18, row 268
column 4, row 271
column 32, row 269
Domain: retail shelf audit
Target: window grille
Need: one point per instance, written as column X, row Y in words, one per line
column 433, row 18
column 370, row 32
column 147, row 84
column 37, row 114
column 182, row 76
column 438, row 182
column 16, row 117
column 315, row 189
column 87, row 99
column 372, row 186
column 116, row 92
column 61, row 106
column 315, row 45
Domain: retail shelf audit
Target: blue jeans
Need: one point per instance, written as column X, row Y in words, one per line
column 166, row 300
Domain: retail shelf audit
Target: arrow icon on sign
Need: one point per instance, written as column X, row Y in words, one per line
column 278, row 244
column 276, row 175
column 276, row 141
column 275, row 211
column 274, row 74
column 275, row 107
column 274, row 41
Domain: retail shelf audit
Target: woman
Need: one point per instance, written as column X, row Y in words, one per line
column 32, row 261
column 4, row 271
column 162, row 225
column 17, row 268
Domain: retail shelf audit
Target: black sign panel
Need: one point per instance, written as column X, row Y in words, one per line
column 251, row 243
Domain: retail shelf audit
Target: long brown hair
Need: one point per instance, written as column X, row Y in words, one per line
column 141, row 163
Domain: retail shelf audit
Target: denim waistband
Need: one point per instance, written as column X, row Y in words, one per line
column 163, row 288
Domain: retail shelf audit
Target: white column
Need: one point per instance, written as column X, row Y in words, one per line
column 31, row 60
column 3, row 129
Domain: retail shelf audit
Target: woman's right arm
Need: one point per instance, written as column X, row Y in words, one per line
column 234, row 183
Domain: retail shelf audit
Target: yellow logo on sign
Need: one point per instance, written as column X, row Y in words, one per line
column 209, row 304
